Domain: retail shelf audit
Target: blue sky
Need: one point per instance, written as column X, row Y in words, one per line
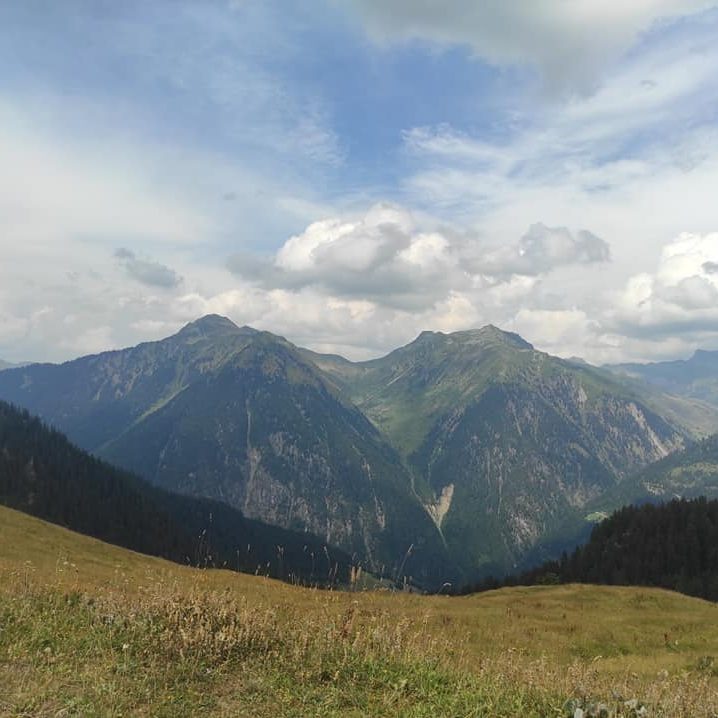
column 348, row 173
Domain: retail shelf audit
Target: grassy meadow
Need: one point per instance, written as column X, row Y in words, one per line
column 88, row 629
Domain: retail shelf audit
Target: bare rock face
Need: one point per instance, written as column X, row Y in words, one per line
column 689, row 473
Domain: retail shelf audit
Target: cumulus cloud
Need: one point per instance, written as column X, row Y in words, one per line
column 380, row 257
column 680, row 296
column 358, row 329
column 569, row 42
column 561, row 331
column 662, row 314
column 145, row 271
column 385, row 258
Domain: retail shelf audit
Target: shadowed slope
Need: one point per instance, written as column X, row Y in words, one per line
column 41, row 473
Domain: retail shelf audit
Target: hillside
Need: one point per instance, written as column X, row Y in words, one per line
column 689, row 473
column 696, row 377
column 239, row 416
column 42, row 474
column 506, row 444
column 93, row 629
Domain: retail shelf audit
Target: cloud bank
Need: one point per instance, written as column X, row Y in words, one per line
column 361, row 192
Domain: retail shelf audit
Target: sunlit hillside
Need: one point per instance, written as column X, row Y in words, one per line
column 90, row 629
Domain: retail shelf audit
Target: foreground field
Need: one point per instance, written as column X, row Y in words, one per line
column 87, row 629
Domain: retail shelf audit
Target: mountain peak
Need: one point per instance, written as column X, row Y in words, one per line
column 212, row 324
column 490, row 334
column 705, row 355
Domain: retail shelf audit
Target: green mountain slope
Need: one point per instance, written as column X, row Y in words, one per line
column 506, row 444
column 696, row 378
column 94, row 398
column 43, row 474
column 240, row 416
column 689, row 473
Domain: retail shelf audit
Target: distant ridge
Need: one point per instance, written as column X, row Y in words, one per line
column 694, row 378
column 486, row 334
column 213, row 324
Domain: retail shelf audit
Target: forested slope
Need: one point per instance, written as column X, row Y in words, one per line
column 43, row 474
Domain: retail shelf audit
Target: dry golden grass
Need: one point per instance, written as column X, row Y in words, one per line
column 90, row 629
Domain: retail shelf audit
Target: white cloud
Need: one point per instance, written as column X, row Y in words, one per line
column 385, row 258
column 54, row 189
column 356, row 328
column 565, row 332
column 12, row 328
column 569, row 42
column 680, row 296
column 67, row 201
column 635, row 161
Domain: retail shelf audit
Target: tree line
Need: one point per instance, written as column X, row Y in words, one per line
column 672, row 545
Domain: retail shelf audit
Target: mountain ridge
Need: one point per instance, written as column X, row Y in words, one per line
column 475, row 399
column 694, row 378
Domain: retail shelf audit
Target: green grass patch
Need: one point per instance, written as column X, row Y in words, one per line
column 88, row 629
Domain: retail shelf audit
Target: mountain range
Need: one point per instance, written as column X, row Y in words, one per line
column 696, row 378
column 452, row 457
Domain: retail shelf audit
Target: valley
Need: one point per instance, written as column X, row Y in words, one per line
column 694, row 377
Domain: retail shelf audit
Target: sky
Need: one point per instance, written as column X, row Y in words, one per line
column 349, row 173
